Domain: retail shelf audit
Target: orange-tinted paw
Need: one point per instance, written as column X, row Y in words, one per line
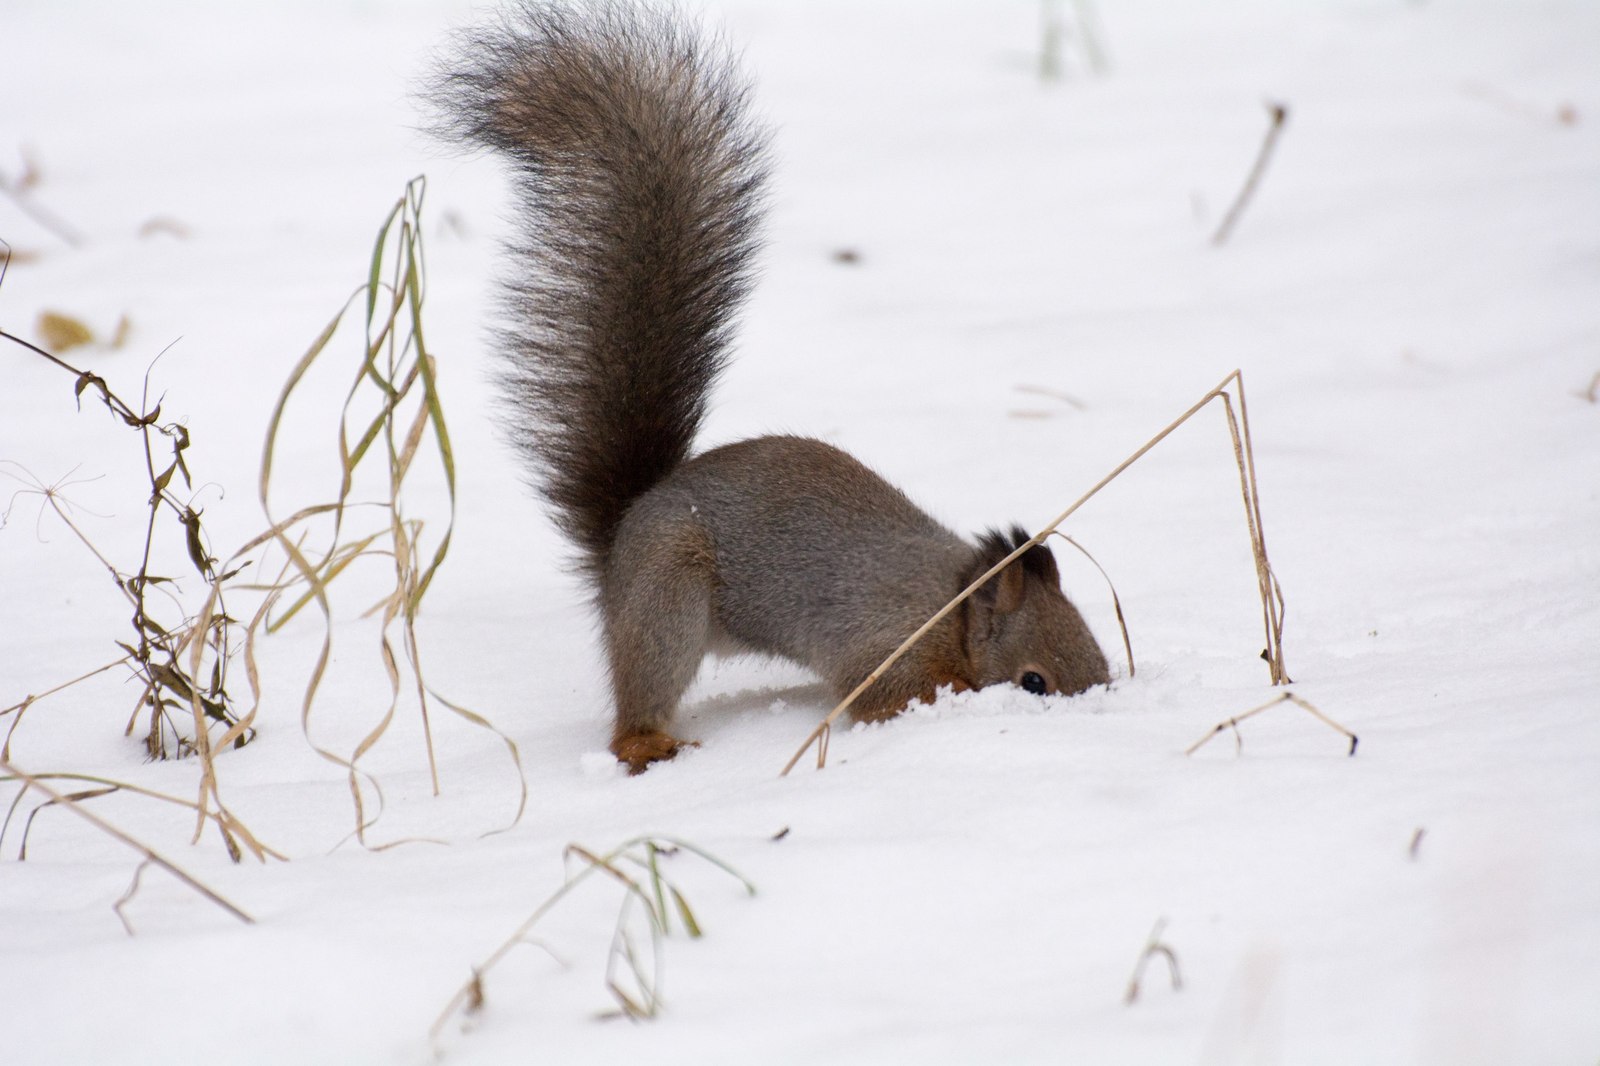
column 641, row 749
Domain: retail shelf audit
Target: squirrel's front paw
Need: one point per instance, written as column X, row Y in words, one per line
column 641, row 749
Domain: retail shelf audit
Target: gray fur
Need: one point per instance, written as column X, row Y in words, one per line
column 641, row 184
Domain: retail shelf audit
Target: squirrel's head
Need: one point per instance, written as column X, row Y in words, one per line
column 1020, row 628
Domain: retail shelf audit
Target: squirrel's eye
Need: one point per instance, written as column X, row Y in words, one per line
column 1033, row 683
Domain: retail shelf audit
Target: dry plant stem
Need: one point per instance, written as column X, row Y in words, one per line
column 1287, row 697
column 1592, row 394
column 74, row 797
column 1153, row 946
column 470, row 996
column 1272, row 605
column 395, row 369
column 1116, row 601
column 223, row 819
column 158, row 648
column 1279, row 118
column 1054, row 394
column 1245, row 457
column 170, row 659
column 22, row 708
column 150, row 855
column 127, row 897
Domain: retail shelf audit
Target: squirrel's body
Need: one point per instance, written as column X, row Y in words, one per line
column 641, row 181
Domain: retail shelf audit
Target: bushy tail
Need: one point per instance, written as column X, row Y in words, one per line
column 640, row 191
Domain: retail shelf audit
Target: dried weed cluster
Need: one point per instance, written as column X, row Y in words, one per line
column 187, row 656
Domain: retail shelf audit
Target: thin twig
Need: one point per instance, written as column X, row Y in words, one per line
column 1153, row 946
column 1287, row 697
column 28, row 701
column 127, row 897
column 1592, row 393
column 1279, row 118
column 150, row 855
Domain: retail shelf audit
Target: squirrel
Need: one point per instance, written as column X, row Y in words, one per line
column 641, row 180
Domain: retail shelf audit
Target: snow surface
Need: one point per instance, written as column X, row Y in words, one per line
column 1414, row 295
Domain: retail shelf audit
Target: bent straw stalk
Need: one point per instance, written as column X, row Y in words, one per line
column 1272, row 605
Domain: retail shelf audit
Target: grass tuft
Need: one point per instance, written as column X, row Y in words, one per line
column 633, row 975
column 184, row 657
column 392, row 409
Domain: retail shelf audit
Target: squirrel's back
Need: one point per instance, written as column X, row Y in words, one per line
column 640, row 194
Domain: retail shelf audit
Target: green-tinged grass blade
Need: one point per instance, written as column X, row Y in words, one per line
column 652, row 863
column 289, row 386
column 692, row 849
column 343, row 556
column 690, row 926
column 375, row 270
column 430, row 394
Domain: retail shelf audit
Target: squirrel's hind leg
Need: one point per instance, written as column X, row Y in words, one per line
column 656, row 607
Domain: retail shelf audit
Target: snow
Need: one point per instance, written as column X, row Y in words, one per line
column 1412, row 296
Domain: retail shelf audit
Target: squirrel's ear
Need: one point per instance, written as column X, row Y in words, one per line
column 1004, row 592
column 1011, row 587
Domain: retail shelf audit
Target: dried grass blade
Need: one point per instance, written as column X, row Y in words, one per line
column 1116, row 601
column 106, row 827
column 511, row 747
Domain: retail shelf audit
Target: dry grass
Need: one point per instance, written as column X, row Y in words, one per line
column 151, row 856
column 180, row 661
column 1287, row 697
column 392, row 417
column 1116, row 601
column 1278, row 118
column 1154, row 947
column 185, row 656
column 633, row 975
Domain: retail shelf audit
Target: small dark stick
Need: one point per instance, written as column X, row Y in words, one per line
column 1287, row 697
column 1153, row 946
column 1280, row 118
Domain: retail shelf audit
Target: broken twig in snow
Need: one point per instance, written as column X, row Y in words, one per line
column 1287, row 697
column 1154, row 946
column 1280, row 117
